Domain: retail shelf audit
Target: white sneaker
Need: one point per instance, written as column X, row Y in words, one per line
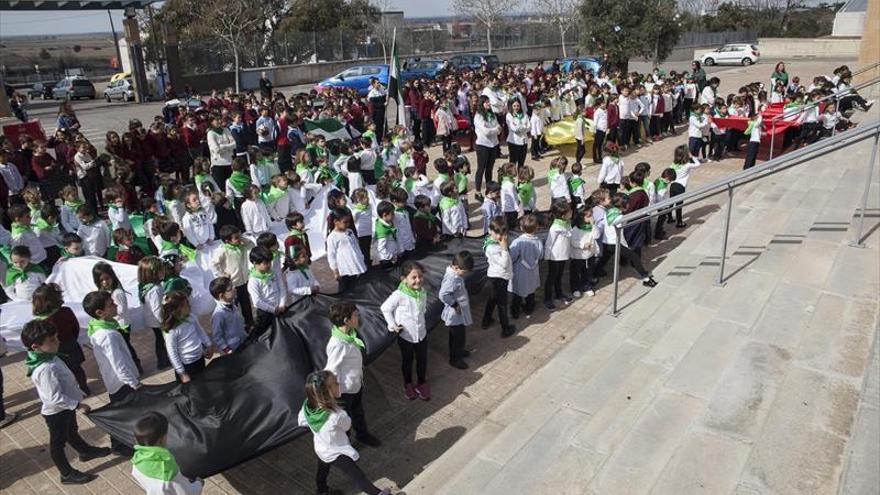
column 590, row 293
column 576, row 293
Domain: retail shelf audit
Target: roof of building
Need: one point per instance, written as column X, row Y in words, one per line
column 854, row 6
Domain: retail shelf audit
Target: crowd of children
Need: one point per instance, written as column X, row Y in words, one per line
column 155, row 200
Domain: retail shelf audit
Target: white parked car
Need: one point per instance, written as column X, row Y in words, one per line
column 734, row 53
column 120, row 89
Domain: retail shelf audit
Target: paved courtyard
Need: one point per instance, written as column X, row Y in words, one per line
column 414, row 433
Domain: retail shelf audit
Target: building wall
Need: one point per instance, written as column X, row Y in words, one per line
column 848, row 24
column 786, row 48
column 869, row 51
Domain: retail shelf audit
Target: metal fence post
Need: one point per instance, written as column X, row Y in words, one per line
column 773, row 136
column 726, row 234
column 858, row 240
column 619, row 232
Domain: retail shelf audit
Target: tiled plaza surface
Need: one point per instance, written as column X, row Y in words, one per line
column 413, row 433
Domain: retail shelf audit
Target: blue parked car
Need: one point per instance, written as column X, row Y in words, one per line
column 357, row 77
column 566, row 65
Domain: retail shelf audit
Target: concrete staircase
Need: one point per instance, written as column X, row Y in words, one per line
column 755, row 387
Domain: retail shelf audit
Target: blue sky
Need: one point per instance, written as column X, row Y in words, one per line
column 69, row 22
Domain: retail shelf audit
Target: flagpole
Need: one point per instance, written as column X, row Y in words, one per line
column 390, row 70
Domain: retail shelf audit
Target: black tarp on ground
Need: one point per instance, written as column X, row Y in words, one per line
column 247, row 403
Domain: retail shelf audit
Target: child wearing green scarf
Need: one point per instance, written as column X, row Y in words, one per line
column 61, row 397
column 329, row 425
column 345, row 359
column 153, row 466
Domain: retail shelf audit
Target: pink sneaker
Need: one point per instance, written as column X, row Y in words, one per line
column 424, row 391
column 410, row 392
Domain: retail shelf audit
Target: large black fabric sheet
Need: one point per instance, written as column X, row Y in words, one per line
column 247, row 403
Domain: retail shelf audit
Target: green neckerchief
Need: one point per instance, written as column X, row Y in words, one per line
column 47, row 315
column 264, row 276
column 239, row 180
column 677, row 166
column 461, row 181
column 660, row 184
column 635, row 189
column 646, row 183
column 360, row 207
column 73, row 205
column 19, row 228
column 611, row 215
column 425, row 216
column 526, row 192
column 403, row 158
column 197, row 210
column 506, row 179
column 750, row 127
column 488, row 241
column 302, row 167
column 349, row 338
column 586, row 227
column 199, row 179
column 114, row 207
column 155, row 462
column 559, row 222
column 304, row 269
column 315, row 417
column 575, row 182
column 218, row 130
column 552, row 174
column 383, row 230
column 298, row 233
column 235, row 248
column 417, row 294
column 183, row 250
column 445, row 177
column 446, row 202
column 14, row 273
column 35, row 359
column 274, row 194
column 408, row 184
column 370, row 134
column 378, row 166
column 169, row 204
column 143, row 289
column 35, row 212
column 96, row 324
column 41, row 224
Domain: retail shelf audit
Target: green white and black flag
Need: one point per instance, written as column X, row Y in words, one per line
column 394, row 82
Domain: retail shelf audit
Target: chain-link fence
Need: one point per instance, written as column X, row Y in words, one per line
column 293, row 47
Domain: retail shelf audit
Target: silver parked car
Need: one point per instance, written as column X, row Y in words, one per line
column 74, row 88
column 120, row 89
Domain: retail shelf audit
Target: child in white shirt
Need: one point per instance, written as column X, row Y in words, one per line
column 187, row 343
column 557, row 251
column 510, row 206
column 387, row 235
column 264, row 289
column 22, row 276
column 499, row 273
column 490, row 208
column 254, row 214
column 116, row 211
column 404, row 312
column 343, row 252
column 93, row 231
column 23, row 235
column 150, row 433
column 452, row 213
column 197, row 225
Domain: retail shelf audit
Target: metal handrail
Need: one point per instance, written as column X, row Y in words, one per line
column 865, row 68
column 801, row 109
column 739, row 179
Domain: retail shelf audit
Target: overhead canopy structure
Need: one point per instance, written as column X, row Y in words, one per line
column 73, row 4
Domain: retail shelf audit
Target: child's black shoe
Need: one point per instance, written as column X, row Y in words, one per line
column 77, row 478
column 94, row 453
column 508, row 331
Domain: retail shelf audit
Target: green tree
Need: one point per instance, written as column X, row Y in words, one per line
column 352, row 17
column 634, row 28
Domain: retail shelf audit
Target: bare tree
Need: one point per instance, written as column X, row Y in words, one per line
column 563, row 13
column 231, row 21
column 383, row 29
column 487, row 12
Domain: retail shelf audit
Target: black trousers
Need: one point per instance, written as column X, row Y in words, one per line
column 517, row 154
column 751, row 154
column 519, row 304
column 192, row 369
column 126, row 336
column 263, row 322
column 577, row 275
column 716, row 143
column 676, row 189
column 2, row 405
column 244, row 302
column 510, row 217
column 220, row 173
column 350, row 468
column 347, row 282
column 536, row 147
column 427, row 132
column 498, row 299
column 53, row 253
column 457, row 341
column 285, row 161
column 553, row 283
column 162, row 361
column 410, row 352
column 628, row 256
column 91, row 189
column 486, row 157
column 580, row 151
column 694, row 145
column 598, row 142
column 354, row 406
column 365, row 243
column 63, row 430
